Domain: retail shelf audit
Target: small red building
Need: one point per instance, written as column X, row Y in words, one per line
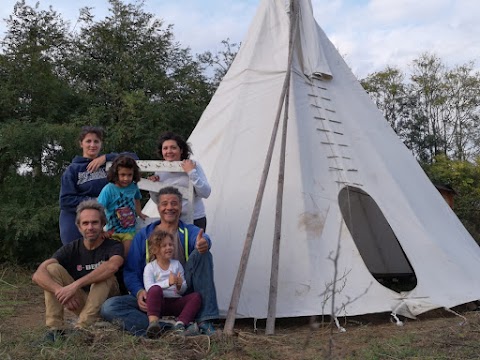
column 447, row 192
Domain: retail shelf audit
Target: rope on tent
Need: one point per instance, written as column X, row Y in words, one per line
column 455, row 313
column 398, row 322
column 339, row 327
column 237, row 288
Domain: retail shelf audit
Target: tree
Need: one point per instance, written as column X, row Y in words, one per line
column 449, row 100
column 124, row 72
column 464, row 177
column 388, row 90
column 435, row 112
column 29, row 202
column 429, row 90
column 139, row 81
column 221, row 61
column 463, row 101
column 394, row 97
column 34, row 88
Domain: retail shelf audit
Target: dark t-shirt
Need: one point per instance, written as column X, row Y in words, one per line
column 79, row 261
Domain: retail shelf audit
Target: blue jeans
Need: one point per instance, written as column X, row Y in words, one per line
column 125, row 310
column 199, row 277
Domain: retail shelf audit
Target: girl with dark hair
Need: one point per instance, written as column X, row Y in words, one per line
column 121, row 200
column 172, row 147
column 83, row 179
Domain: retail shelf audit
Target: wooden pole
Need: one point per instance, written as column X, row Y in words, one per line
column 272, row 299
column 237, row 288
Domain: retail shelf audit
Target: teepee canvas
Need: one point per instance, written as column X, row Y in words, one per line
column 357, row 207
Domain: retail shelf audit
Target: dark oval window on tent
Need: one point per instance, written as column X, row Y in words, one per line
column 379, row 247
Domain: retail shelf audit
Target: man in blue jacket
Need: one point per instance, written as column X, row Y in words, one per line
column 192, row 250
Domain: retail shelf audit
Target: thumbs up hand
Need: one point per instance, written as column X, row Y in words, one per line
column 201, row 244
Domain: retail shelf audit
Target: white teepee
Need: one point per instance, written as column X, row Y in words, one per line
column 351, row 187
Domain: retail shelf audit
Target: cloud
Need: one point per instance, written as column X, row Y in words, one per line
column 202, row 25
column 372, row 34
column 392, row 12
column 383, row 33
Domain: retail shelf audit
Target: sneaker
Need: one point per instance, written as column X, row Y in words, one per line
column 52, row 336
column 154, row 330
column 206, row 328
column 178, row 328
column 192, row 330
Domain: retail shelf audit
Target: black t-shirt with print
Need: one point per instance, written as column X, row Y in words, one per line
column 79, row 261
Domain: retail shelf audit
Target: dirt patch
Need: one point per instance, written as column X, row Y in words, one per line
column 29, row 310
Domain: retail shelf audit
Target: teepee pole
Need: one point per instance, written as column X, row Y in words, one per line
column 237, row 288
column 272, row 299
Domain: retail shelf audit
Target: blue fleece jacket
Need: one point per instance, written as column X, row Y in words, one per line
column 78, row 184
column 136, row 258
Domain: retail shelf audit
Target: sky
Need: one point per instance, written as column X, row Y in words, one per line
column 370, row 34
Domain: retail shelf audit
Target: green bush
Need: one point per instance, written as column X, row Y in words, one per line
column 28, row 219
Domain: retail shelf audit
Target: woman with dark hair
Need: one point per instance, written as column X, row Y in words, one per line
column 83, row 179
column 172, row 147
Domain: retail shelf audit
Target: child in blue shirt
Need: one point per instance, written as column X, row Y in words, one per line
column 121, row 200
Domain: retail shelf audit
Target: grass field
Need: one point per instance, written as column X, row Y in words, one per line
column 437, row 335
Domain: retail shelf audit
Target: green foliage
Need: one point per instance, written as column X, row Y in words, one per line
column 464, row 177
column 124, row 72
column 435, row 112
column 390, row 94
column 36, row 149
column 33, row 86
column 28, row 218
column 138, row 80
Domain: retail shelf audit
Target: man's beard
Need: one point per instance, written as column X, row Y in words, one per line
column 92, row 238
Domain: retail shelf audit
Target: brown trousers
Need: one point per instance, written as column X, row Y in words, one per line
column 90, row 303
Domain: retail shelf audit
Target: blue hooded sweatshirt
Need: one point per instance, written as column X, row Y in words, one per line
column 77, row 185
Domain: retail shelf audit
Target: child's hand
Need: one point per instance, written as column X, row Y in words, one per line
column 179, row 281
column 107, row 234
column 172, row 279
